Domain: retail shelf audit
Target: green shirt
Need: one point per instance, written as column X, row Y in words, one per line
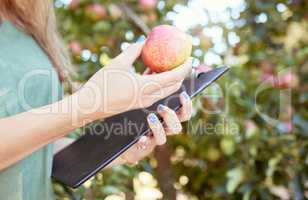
column 27, row 80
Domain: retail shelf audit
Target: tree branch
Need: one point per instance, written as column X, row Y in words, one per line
column 135, row 18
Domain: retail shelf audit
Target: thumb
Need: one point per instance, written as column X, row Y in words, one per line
column 128, row 56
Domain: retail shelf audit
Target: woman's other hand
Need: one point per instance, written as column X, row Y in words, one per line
column 159, row 131
column 116, row 88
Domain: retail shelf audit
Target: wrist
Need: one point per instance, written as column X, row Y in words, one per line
column 82, row 108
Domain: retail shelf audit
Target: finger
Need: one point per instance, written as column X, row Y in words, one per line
column 154, row 88
column 157, row 129
column 128, row 56
column 145, row 149
column 203, row 68
column 150, row 98
column 150, row 142
column 142, row 142
column 185, row 111
column 169, row 77
column 172, row 122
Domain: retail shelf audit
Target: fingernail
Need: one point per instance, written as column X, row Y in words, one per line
column 185, row 95
column 161, row 108
column 153, row 118
column 141, row 39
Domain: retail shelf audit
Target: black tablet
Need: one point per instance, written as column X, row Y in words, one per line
column 107, row 140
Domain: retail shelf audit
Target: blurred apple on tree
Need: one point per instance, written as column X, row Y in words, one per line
column 148, row 4
column 75, row 47
column 96, row 11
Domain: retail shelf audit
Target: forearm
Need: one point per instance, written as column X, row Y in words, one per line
column 24, row 133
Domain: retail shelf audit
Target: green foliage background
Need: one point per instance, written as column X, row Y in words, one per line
column 246, row 157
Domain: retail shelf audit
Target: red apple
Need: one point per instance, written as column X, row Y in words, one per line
column 75, row 47
column 148, row 4
column 288, row 80
column 269, row 79
column 166, row 48
column 96, row 11
column 115, row 11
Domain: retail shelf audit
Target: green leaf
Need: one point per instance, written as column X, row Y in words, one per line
column 235, row 177
column 111, row 189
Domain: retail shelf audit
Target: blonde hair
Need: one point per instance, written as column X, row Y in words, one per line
column 37, row 18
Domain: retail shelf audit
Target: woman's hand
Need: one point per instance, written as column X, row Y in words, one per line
column 172, row 125
column 116, row 88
